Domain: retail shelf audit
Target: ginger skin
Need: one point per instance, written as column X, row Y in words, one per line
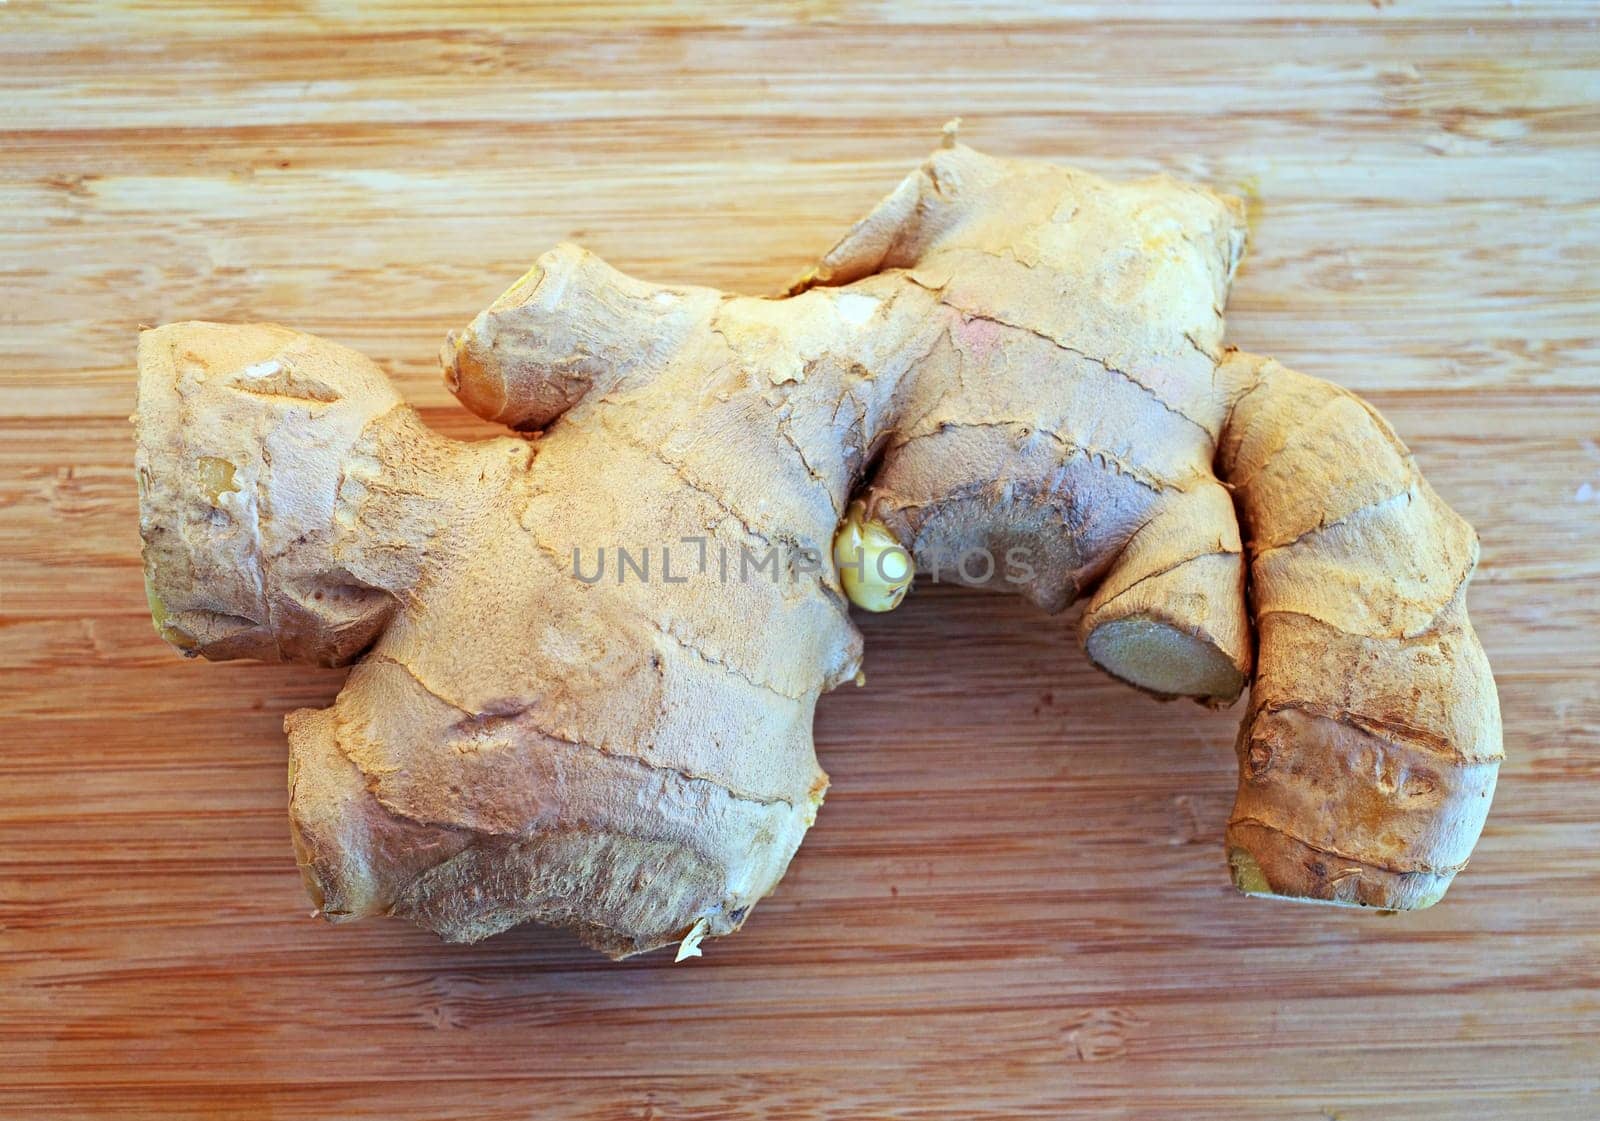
column 1005, row 357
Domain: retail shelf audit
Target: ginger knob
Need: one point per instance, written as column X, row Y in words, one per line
column 874, row 567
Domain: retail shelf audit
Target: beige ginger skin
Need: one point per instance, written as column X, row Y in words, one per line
column 1003, row 355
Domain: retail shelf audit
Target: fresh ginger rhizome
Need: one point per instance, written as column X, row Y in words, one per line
column 1003, row 355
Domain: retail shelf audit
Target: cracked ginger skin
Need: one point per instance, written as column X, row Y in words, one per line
column 1002, row 355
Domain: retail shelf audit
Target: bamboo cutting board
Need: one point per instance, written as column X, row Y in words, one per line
column 1014, row 903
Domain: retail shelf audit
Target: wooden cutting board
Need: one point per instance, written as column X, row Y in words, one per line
column 1014, row 902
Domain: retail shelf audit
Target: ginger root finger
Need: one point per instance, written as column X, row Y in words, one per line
column 1170, row 617
column 244, row 434
column 572, row 325
column 1368, row 758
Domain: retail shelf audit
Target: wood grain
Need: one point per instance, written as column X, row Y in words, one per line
column 1014, row 903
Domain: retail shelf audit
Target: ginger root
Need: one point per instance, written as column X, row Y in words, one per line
column 586, row 659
